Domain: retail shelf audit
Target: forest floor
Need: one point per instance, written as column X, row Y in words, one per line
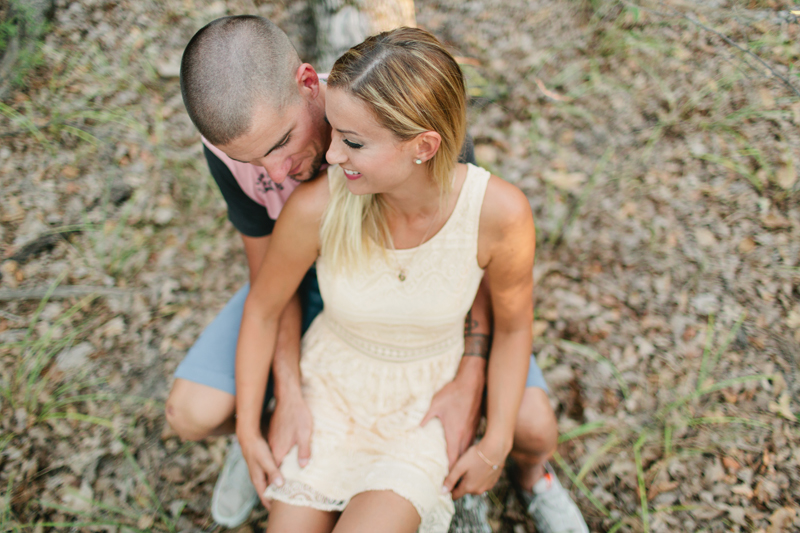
column 658, row 142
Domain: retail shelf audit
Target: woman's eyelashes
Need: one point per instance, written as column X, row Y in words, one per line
column 352, row 145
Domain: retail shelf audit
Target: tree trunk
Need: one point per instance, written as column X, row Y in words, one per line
column 341, row 24
column 24, row 23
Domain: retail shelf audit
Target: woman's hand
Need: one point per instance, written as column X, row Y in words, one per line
column 263, row 470
column 474, row 474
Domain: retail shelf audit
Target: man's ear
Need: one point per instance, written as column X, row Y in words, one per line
column 307, row 81
column 427, row 144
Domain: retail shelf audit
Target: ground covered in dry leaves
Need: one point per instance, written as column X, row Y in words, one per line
column 657, row 141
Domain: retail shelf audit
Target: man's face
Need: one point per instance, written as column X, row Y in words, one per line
column 289, row 142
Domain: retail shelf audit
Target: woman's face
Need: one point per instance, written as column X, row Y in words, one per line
column 373, row 159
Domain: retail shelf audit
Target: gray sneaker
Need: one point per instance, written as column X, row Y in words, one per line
column 470, row 515
column 551, row 506
column 234, row 495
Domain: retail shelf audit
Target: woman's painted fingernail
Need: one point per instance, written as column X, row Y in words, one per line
column 279, row 482
column 445, row 490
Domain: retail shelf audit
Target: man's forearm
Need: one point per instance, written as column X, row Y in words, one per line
column 478, row 325
column 286, row 365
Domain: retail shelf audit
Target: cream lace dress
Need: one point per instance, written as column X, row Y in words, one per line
column 372, row 361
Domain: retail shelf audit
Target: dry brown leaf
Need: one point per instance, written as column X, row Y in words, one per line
column 793, row 319
column 786, row 176
column 773, row 221
column 12, row 211
column 743, row 490
column 705, row 238
column 781, row 519
column 731, row 464
column 550, row 94
column 782, row 407
column 767, row 99
column 747, row 245
column 70, row 172
column 486, row 153
column 566, row 181
column 539, row 327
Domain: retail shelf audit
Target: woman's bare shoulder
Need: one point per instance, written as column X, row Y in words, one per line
column 504, row 206
column 310, row 198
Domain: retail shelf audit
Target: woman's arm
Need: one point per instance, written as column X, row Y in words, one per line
column 506, row 248
column 293, row 249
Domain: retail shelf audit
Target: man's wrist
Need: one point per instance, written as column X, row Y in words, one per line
column 287, row 385
column 472, row 371
column 477, row 345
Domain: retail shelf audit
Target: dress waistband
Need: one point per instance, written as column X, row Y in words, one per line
column 389, row 352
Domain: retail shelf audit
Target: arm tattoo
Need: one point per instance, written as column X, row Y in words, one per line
column 475, row 344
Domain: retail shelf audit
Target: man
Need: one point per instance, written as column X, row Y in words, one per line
column 262, row 114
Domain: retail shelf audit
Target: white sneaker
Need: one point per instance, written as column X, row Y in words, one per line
column 470, row 515
column 551, row 506
column 234, row 495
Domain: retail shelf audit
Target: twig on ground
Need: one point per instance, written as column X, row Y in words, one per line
column 746, row 51
column 722, row 36
column 550, row 94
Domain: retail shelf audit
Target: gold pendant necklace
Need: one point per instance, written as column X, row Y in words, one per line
column 402, row 270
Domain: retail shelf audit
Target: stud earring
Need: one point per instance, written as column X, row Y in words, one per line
column 418, row 161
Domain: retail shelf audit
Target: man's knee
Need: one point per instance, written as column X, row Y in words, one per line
column 196, row 411
column 537, row 427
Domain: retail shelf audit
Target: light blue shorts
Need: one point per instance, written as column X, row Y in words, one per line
column 211, row 360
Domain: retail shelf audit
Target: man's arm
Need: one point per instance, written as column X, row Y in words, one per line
column 458, row 404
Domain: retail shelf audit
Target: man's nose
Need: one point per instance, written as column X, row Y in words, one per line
column 278, row 169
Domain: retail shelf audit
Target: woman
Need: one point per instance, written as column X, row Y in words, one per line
column 402, row 236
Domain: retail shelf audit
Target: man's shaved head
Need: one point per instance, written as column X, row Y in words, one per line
column 232, row 66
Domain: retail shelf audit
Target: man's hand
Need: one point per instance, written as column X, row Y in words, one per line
column 290, row 424
column 263, row 470
column 458, row 406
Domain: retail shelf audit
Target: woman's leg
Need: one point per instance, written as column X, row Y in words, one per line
column 286, row 518
column 378, row 510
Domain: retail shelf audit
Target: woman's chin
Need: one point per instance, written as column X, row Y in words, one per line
column 357, row 188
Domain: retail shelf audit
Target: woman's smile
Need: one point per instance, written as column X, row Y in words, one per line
column 351, row 174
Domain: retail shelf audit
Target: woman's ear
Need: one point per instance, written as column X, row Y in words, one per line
column 427, row 144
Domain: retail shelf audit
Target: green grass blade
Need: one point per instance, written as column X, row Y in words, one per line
column 706, row 420
column 80, row 417
column 706, row 351
column 612, row 441
column 708, row 390
column 595, row 356
column 16, row 117
column 581, row 486
column 581, row 430
column 637, row 457
column 729, row 338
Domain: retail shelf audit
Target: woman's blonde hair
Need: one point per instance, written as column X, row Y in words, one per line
column 412, row 85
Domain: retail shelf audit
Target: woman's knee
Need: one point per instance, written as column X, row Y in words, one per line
column 195, row 411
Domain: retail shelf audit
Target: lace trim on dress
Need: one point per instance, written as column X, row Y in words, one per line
column 300, row 494
column 387, row 352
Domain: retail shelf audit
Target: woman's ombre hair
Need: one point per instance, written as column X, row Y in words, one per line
column 412, row 84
